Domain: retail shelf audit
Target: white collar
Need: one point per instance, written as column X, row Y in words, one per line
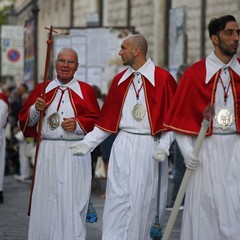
column 213, row 64
column 147, row 70
column 73, row 85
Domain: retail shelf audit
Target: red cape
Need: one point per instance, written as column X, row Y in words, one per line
column 86, row 110
column 158, row 100
column 192, row 97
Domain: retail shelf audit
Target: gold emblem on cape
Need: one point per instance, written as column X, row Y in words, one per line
column 224, row 118
column 54, row 121
column 138, row 112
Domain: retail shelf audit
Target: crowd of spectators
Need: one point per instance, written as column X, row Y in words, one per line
column 19, row 150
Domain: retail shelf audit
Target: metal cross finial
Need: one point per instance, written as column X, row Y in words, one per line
column 50, row 33
column 51, row 29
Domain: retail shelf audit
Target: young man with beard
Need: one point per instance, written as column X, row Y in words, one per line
column 212, row 202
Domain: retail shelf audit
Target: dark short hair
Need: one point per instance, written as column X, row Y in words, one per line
column 97, row 91
column 25, row 86
column 181, row 69
column 218, row 24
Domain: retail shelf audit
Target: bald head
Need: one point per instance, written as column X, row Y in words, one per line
column 134, row 51
column 139, row 41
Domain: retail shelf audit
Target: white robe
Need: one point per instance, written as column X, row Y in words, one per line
column 131, row 194
column 212, row 202
column 62, row 183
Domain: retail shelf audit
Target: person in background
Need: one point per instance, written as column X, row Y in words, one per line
column 134, row 108
column 17, row 98
column 212, row 201
column 3, row 120
column 11, row 158
column 105, row 148
column 25, row 168
column 178, row 161
column 97, row 151
column 62, row 182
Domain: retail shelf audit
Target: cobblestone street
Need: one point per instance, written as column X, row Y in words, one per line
column 14, row 218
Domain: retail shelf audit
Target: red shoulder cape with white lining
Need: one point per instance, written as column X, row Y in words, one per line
column 193, row 96
column 86, row 110
column 158, row 100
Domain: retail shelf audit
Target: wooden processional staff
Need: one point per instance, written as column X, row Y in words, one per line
column 208, row 115
column 49, row 44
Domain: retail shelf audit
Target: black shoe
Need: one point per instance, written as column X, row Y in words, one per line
column 1, row 197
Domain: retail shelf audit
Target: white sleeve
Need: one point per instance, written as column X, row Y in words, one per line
column 166, row 139
column 4, row 113
column 34, row 116
column 95, row 137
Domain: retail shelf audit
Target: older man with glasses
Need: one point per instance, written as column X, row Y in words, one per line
column 62, row 182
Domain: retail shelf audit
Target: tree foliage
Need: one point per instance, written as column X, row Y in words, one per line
column 4, row 10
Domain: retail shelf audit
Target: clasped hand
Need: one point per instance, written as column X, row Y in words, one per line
column 40, row 104
column 68, row 124
column 191, row 161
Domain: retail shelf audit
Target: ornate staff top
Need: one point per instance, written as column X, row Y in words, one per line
column 49, row 43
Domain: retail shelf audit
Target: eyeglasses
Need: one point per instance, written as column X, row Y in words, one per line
column 64, row 61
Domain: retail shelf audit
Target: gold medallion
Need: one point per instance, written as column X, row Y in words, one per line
column 54, row 121
column 224, row 118
column 138, row 112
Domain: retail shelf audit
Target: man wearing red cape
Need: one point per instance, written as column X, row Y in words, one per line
column 135, row 107
column 212, row 202
column 62, row 182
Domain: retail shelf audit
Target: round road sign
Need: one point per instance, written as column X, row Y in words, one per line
column 13, row 55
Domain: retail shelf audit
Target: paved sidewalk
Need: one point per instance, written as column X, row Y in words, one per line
column 14, row 218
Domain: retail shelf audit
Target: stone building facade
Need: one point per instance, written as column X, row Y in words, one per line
column 148, row 17
column 212, row 8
